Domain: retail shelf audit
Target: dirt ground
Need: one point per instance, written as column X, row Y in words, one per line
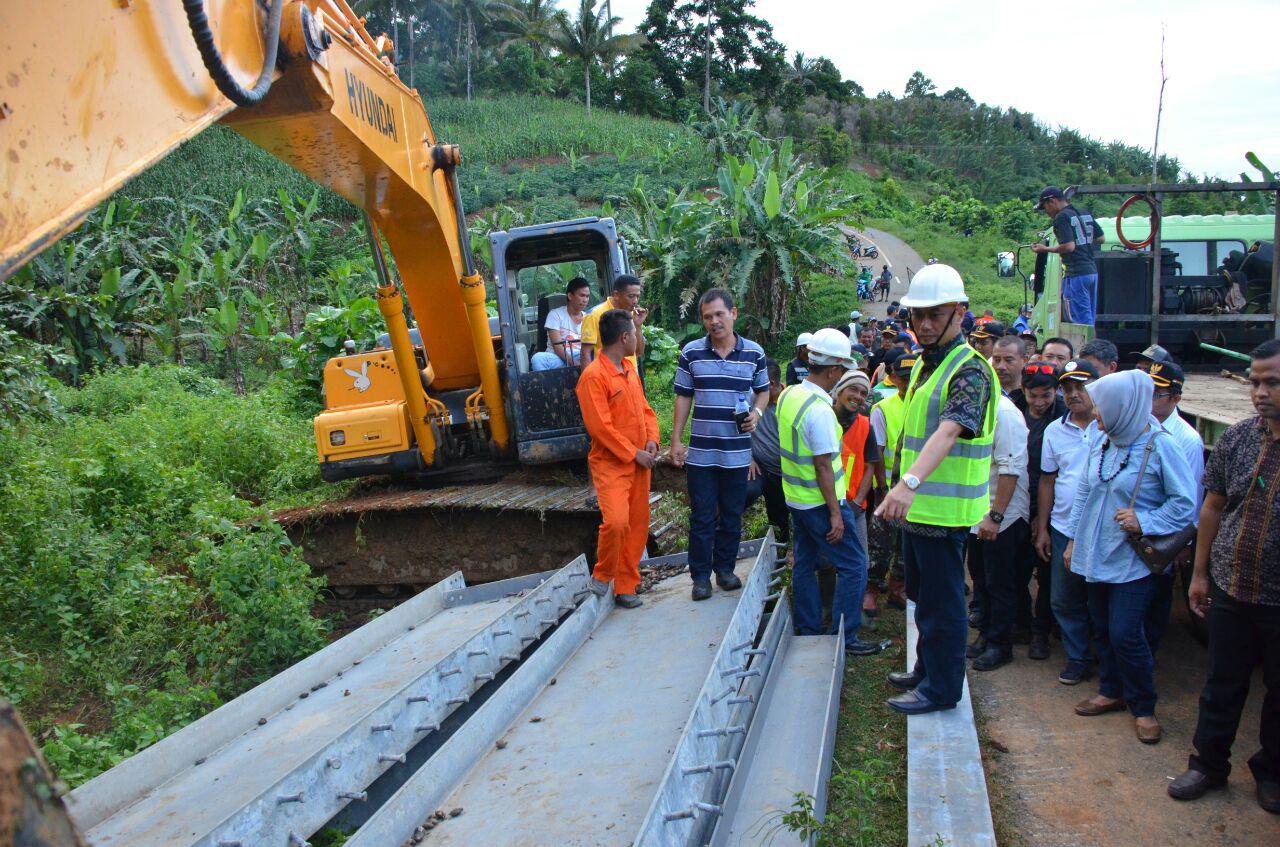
column 1059, row 780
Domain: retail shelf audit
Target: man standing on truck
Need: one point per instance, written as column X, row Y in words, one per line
column 943, row 489
column 722, row 378
column 624, row 445
column 1077, row 235
column 1237, row 584
column 626, row 296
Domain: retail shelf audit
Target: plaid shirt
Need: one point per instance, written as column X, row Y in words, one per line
column 1244, row 467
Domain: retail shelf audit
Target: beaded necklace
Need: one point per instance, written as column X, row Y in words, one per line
column 1124, row 462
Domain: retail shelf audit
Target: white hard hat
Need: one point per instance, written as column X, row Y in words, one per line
column 804, row 339
column 934, row 285
column 830, row 347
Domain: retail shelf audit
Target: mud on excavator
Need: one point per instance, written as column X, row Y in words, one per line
column 452, row 401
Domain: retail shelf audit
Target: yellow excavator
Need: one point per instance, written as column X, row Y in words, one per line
column 93, row 93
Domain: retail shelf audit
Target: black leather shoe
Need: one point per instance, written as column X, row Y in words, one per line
column 975, row 618
column 992, row 658
column 728, row 581
column 1192, row 785
column 627, row 601
column 977, row 648
column 1039, row 647
column 1269, row 796
column 701, row 589
column 906, row 680
column 915, row 703
column 864, row 648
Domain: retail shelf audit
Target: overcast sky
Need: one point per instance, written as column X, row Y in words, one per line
column 1089, row 65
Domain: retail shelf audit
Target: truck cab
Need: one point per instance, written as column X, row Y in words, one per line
column 531, row 267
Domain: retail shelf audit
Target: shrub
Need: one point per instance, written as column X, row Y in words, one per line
column 139, row 584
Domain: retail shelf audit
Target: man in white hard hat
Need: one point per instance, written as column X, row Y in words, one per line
column 941, row 487
column 814, row 486
column 798, row 368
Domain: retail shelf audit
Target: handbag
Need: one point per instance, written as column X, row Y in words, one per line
column 1157, row 551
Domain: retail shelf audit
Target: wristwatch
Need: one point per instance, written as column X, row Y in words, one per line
column 911, row 481
column 997, row 518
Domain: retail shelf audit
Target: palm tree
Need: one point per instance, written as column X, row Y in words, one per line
column 474, row 10
column 801, row 71
column 588, row 40
column 531, row 21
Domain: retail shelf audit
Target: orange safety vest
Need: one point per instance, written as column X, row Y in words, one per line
column 851, row 453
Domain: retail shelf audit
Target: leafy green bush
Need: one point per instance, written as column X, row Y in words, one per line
column 139, row 583
column 773, row 222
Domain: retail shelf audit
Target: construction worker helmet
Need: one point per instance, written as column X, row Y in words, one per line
column 803, row 339
column 933, row 286
column 830, row 347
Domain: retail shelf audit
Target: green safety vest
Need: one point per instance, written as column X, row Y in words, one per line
column 957, row 493
column 895, row 412
column 799, row 476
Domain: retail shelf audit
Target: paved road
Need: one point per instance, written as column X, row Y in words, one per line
column 900, row 258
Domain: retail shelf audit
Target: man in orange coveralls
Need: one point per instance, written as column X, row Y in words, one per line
column 624, row 445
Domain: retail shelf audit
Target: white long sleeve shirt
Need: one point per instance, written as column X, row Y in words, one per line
column 1009, row 458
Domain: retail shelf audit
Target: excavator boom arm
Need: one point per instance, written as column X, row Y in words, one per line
column 126, row 84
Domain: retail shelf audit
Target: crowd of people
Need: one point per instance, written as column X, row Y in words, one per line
column 898, row 456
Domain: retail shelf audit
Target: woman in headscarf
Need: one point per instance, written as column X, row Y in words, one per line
column 1119, row 582
column 860, row 454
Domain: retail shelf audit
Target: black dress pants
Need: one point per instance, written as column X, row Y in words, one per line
column 997, row 562
column 1240, row 635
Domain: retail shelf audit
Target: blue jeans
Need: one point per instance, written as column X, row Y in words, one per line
column 1161, row 607
column 717, row 499
column 935, row 580
column 1070, row 599
column 546, row 361
column 1080, row 293
column 847, row 556
column 1125, row 666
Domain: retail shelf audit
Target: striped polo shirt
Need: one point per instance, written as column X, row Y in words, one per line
column 714, row 383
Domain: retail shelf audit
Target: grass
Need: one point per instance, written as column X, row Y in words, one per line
column 503, row 129
column 973, row 256
column 867, row 795
column 491, row 132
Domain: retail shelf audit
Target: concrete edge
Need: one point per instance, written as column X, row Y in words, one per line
column 947, row 801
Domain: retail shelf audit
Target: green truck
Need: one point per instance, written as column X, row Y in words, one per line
column 1192, row 247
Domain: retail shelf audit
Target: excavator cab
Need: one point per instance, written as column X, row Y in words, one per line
column 531, row 267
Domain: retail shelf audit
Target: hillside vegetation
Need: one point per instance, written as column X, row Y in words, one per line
column 162, row 362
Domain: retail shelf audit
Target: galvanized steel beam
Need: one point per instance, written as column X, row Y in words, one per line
column 336, row 768
column 790, row 744
column 689, row 796
column 129, row 781
column 394, row 823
